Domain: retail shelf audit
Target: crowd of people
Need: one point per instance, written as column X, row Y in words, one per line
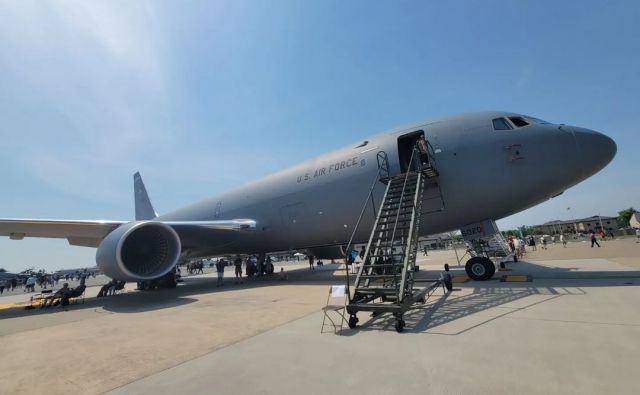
column 244, row 267
column 196, row 267
column 517, row 244
column 30, row 280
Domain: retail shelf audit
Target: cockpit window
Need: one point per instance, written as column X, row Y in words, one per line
column 501, row 124
column 536, row 120
column 519, row 121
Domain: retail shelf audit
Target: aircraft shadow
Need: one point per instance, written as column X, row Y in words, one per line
column 448, row 308
column 539, row 271
column 558, row 281
column 135, row 302
column 443, row 310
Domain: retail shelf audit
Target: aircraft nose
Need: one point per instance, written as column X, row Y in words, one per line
column 596, row 149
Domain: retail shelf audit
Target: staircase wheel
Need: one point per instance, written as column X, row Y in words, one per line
column 353, row 321
column 448, row 282
column 480, row 268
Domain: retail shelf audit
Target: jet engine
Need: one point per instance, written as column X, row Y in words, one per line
column 137, row 251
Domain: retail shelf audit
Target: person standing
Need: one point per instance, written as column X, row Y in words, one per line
column 238, row 268
column 638, row 235
column 592, row 236
column 350, row 261
column 311, row 258
column 423, row 150
column 563, row 240
column 512, row 245
column 30, row 284
column 543, row 241
column 220, row 270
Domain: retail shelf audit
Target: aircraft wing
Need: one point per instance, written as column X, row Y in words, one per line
column 78, row 232
column 90, row 233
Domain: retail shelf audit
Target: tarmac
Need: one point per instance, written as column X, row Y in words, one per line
column 572, row 328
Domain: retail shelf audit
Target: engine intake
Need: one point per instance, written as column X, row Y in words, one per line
column 138, row 251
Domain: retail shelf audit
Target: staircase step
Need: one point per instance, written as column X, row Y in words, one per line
column 391, row 228
column 398, row 191
column 392, row 222
column 396, row 199
column 380, row 276
column 401, row 193
column 384, row 264
column 377, row 291
column 387, row 255
column 407, row 212
column 396, row 206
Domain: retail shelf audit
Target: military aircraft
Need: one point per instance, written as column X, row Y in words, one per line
column 490, row 165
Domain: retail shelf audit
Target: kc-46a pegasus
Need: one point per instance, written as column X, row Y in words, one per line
column 381, row 192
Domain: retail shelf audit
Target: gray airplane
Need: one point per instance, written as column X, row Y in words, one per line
column 490, row 165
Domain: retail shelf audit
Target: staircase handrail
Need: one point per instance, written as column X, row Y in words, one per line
column 383, row 166
column 376, row 179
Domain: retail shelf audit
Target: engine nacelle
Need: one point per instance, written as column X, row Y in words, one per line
column 137, row 251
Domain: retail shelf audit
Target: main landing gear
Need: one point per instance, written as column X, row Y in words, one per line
column 480, row 268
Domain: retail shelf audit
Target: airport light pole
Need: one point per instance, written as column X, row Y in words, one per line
column 601, row 227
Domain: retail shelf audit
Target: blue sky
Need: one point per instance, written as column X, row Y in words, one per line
column 201, row 96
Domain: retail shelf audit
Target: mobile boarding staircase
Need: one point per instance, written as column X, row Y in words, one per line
column 386, row 277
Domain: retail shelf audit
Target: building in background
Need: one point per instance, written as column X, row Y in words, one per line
column 634, row 221
column 584, row 225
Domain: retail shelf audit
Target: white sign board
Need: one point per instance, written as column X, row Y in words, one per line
column 338, row 290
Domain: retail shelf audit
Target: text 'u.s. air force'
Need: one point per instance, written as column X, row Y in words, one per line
column 332, row 168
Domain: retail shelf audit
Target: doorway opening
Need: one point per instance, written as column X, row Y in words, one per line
column 406, row 143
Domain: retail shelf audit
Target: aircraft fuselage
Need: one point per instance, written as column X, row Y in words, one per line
column 484, row 174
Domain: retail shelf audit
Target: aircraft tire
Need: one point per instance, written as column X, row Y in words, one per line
column 480, row 268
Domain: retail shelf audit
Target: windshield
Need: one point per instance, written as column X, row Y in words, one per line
column 536, row 120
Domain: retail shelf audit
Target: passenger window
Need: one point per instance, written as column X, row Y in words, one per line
column 501, row 124
column 518, row 121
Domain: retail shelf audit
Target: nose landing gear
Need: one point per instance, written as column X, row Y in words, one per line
column 480, row 268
